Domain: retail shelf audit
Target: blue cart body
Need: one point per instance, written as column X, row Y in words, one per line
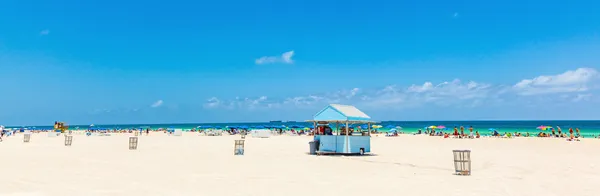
column 339, row 144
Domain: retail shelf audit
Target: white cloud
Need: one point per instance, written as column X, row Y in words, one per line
column 571, row 81
column 453, row 93
column 455, row 14
column 303, row 100
column 421, row 88
column 445, row 93
column 45, row 32
column 156, row 104
column 286, row 57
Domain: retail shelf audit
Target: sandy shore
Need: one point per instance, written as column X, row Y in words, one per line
column 202, row 165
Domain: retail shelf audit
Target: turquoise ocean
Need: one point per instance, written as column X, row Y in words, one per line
column 588, row 128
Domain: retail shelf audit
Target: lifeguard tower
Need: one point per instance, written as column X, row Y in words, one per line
column 326, row 141
column 60, row 127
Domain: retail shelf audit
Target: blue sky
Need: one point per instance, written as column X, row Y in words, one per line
column 239, row 61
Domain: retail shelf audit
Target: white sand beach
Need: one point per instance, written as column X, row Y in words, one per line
column 203, row 165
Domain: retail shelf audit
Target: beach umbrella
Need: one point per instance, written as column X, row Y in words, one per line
column 377, row 126
column 393, row 130
column 543, row 128
column 432, row 127
column 441, row 127
column 399, row 127
column 389, row 126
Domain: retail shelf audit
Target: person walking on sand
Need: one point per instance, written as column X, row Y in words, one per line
column 455, row 131
column 462, row 131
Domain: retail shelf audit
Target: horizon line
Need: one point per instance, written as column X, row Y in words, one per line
column 291, row 121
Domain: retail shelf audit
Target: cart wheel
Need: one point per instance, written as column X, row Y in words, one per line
column 362, row 151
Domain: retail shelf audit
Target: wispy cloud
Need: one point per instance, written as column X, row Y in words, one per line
column 455, row 93
column 286, row 57
column 570, row 81
column 212, row 102
column 247, row 103
column 156, row 104
column 45, row 32
column 455, row 14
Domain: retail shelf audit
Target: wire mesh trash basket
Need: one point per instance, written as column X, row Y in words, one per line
column 133, row 143
column 462, row 162
column 26, row 138
column 68, row 140
column 238, row 149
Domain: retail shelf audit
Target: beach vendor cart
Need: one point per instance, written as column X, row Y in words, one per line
column 344, row 141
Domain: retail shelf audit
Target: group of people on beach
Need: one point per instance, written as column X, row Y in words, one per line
column 459, row 132
column 573, row 134
column 559, row 133
column 456, row 134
